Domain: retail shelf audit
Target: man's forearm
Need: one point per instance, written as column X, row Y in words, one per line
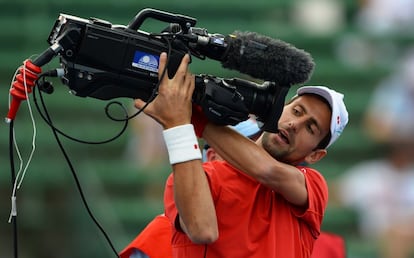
column 256, row 162
column 194, row 202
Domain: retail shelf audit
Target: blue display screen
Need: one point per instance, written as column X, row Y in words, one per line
column 146, row 61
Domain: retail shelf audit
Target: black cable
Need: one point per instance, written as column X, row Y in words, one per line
column 46, row 117
column 48, row 121
column 75, row 177
column 13, row 179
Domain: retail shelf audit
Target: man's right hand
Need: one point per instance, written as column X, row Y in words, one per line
column 172, row 106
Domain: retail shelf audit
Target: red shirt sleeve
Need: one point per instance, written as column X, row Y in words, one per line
column 317, row 199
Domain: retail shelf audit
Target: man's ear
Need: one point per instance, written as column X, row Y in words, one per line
column 315, row 156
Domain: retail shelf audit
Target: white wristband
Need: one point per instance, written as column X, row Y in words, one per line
column 182, row 144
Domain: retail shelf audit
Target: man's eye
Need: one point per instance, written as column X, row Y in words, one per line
column 296, row 111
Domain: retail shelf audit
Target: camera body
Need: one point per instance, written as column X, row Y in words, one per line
column 105, row 61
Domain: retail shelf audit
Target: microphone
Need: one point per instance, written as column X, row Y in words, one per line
column 256, row 55
column 268, row 59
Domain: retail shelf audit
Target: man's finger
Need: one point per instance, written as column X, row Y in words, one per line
column 161, row 67
column 139, row 103
column 184, row 64
column 190, row 80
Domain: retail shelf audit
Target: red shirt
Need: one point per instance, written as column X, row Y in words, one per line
column 329, row 245
column 253, row 220
column 154, row 240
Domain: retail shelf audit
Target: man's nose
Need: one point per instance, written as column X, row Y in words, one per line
column 297, row 123
column 292, row 126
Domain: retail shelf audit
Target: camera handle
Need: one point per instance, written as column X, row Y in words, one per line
column 184, row 21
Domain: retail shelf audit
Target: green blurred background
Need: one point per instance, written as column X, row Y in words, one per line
column 53, row 222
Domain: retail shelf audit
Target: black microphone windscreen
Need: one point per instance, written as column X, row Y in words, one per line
column 268, row 59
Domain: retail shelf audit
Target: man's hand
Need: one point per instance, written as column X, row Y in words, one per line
column 172, row 106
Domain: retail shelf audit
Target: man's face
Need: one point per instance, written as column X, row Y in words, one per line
column 303, row 124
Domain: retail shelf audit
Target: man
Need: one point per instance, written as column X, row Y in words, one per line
column 259, row 202
column 155, row 240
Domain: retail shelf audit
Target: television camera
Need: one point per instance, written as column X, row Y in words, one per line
column 106, row 61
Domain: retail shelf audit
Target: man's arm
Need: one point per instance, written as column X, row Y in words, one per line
column 194, row 202
column 192, row 195
column 253, row 160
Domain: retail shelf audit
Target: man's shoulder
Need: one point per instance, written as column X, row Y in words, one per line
column 306, row 170
column 312, row 173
